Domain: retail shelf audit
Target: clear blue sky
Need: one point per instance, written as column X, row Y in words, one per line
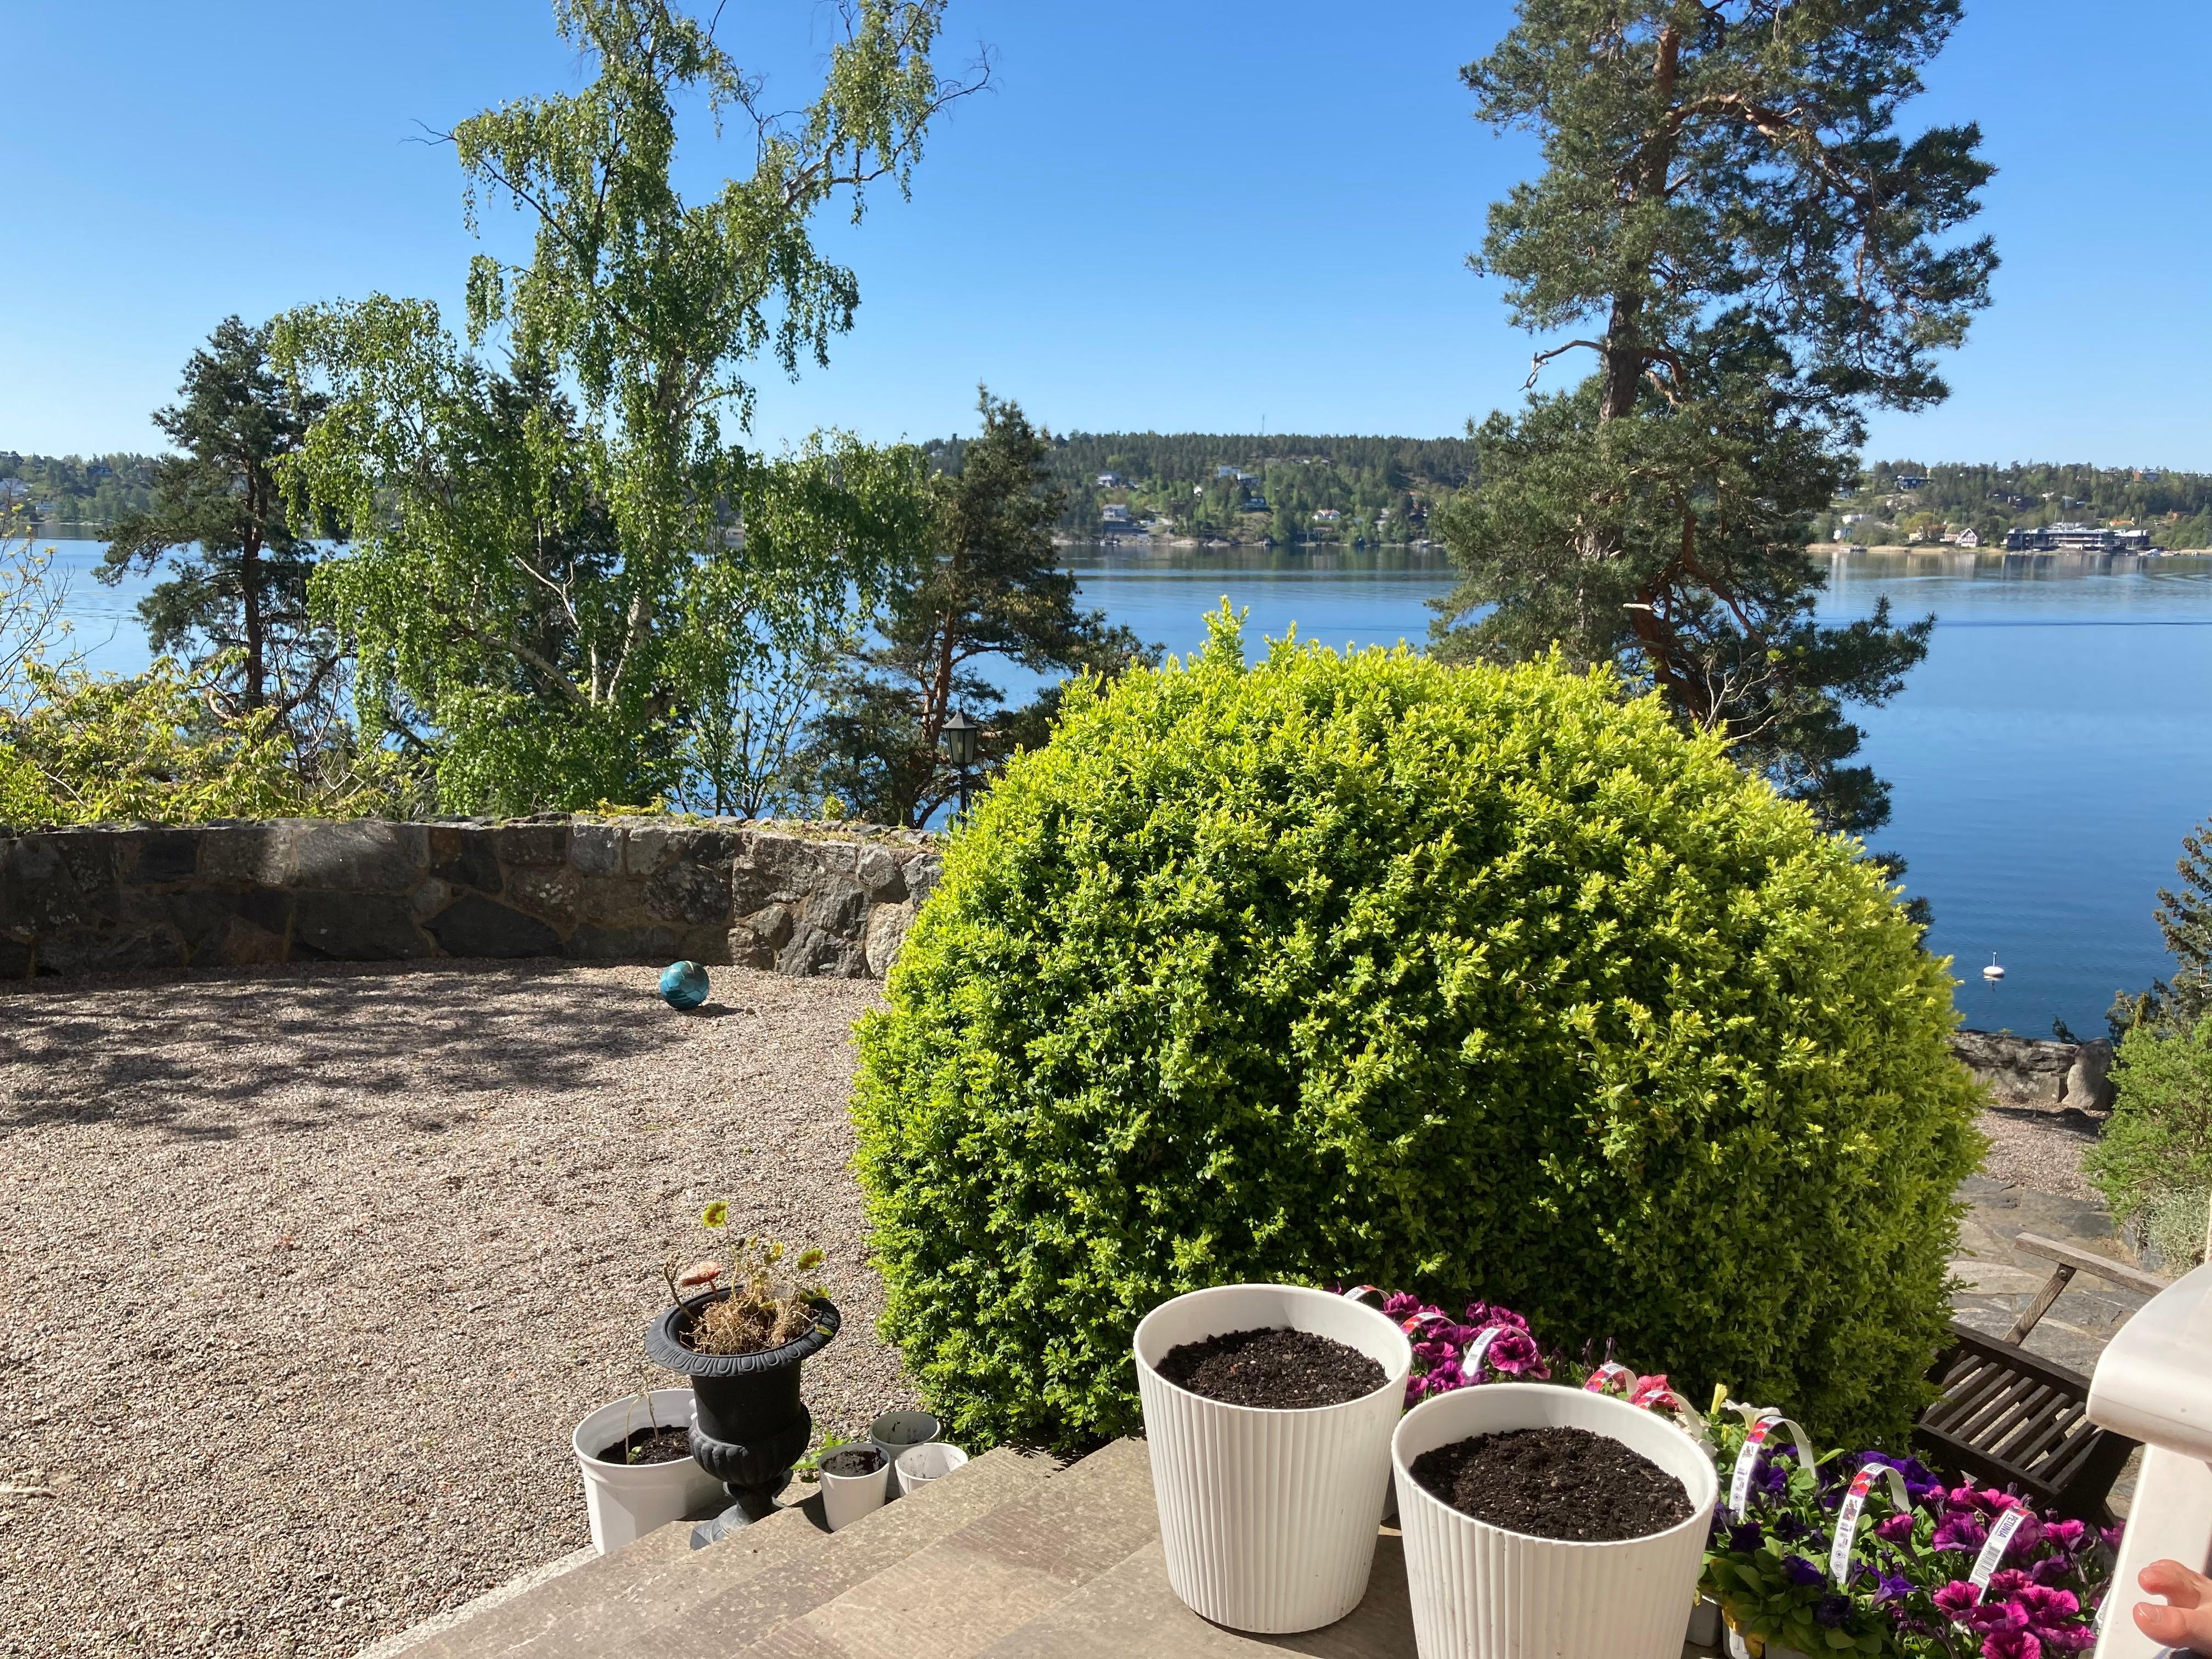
column 1170, row 214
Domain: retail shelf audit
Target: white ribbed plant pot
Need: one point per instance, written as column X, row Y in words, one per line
column 918, row 1466
column 1481, row 1592
column 628, row 1500
column 894, row 1432
column 1268, row 1518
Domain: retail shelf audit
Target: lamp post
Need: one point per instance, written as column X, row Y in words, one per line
column 958, row 735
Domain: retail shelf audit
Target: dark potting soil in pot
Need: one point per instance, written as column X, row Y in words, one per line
column 649, row 1445
column 1287, row 1370
column 1555, row 1483
column 853, row 1460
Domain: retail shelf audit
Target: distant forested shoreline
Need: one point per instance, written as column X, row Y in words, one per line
column 1290, row 488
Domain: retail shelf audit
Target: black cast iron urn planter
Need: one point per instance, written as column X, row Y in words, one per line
column 750, row 1424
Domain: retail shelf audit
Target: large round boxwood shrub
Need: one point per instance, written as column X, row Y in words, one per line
column 1471, row 980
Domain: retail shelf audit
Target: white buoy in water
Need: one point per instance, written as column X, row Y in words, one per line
column 1993, row 971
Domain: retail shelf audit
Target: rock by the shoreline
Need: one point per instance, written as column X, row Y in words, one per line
column 2037, row 1074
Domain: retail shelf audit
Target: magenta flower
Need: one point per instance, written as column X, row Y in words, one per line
column 1991, row 1617
column 2011, row 1645
column 2006, row 1584
column 2051, row 1569
column 2067, row 1638
column 1893, row 1529
column 2064, row 1535
column 1956, row 1599
column 1480, row 1314
column 1514, row 1353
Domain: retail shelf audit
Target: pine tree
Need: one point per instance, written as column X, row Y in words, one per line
column 1728, row 220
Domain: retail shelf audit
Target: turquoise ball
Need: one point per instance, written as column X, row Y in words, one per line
column 684, row 985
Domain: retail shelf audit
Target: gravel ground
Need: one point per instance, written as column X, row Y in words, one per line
column 2042, row 1150
column 306, row 1273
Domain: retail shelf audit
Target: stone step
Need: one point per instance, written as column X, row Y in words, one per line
column 745, row 1584
column 612, row 1596
column 952, row 1599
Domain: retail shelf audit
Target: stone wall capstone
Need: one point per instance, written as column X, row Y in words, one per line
column 2037, row 1074
column 802, row 899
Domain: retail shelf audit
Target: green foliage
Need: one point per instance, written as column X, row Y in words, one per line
column 990, row 587
column 237, row 587
column 1758, row 257
column 2154, row 1161
column 1371, row 969
column 549, row 593
column 95, row 749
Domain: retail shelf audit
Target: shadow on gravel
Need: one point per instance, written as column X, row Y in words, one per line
column 300, row 1047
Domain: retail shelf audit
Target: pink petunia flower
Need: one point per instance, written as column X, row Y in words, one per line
column 2011, row 1645
column 1956, row 1599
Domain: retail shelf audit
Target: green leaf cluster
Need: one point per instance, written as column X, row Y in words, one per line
column 2154, row 1161
column 1373, row 969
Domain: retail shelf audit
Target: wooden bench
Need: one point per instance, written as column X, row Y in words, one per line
column 2010, row 1417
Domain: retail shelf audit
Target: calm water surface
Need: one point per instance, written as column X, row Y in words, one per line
column 2045, row 760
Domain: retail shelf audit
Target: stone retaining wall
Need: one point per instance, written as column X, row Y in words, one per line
column 2035, row 1072
column 802, row 899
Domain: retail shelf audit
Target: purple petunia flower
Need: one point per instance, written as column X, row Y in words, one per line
column 2051, row 1569
column 1962, row 1530
column 1747, row 1538
column 1893, row 1528
column 2006, row 1584
column 1956, row 1599
column 2067, row 1638
column 1991, row 1616
column 1803, row 1573
column 1832, row 1610
column 2011, row 1645
column 1788, row 1528
column 2047, row 1607
column 1891, row 1587
column 2064, row 1535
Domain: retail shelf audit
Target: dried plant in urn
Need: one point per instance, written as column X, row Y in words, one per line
column 744, row 1319
column 749, row 1298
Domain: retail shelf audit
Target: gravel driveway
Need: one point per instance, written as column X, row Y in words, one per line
column 306, row 1273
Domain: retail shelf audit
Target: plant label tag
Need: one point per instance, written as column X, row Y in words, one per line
column 1847, row 1519
column 1754, row 1442
column 1470, row 1363
column 1605, row 1376
column 1985, row 1564
column 1367, row 1295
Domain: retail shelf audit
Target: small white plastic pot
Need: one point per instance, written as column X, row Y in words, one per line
column 1268, row 1518
column 1481, row 1592
column 846, row 1498
column 1704, row 1624
column 895, row 1431
column 918, row 1466
column 628, row 1500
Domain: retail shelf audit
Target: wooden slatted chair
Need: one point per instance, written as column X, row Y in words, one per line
column 2011, row 1418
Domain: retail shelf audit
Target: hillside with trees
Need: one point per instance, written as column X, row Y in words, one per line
column 91, row 492
column 1898, row 499
column 1253, row 487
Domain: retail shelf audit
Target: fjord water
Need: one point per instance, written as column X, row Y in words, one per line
column 2045, row 762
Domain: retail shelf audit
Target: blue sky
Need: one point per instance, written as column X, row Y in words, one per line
column 1170, row 215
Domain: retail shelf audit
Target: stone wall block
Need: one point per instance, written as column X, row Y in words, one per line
column 242, row 944
column 708, row 944
column 770, row 927
column 463, row 854
column 613, row 902
column 200, row 918
column 357, row 927
column 362, row 856
column 474, row 926
column 815, row 953
column 245, row 855
column 700, row 845
column 520, row 844
column 165, row 855
column 594, row 943
column 18, row 956
column 923, row 872
column 692, row 893
column 430, row 896
column 643, row 850
column 92, row 858
column 877, row 870
column 886, row 936
column 553, row 894
column 595, row 849
column 40, row 892
column 80, row 950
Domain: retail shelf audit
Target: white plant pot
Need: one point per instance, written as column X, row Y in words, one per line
column 628, row 1500
column 1704, row 1624
column 919, row 1465
column 846, row 1498
column 1481, row 1592
column 894, row 1432
column 1268, row 1517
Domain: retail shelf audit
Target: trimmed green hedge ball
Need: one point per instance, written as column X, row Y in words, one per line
column 1468, row 981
